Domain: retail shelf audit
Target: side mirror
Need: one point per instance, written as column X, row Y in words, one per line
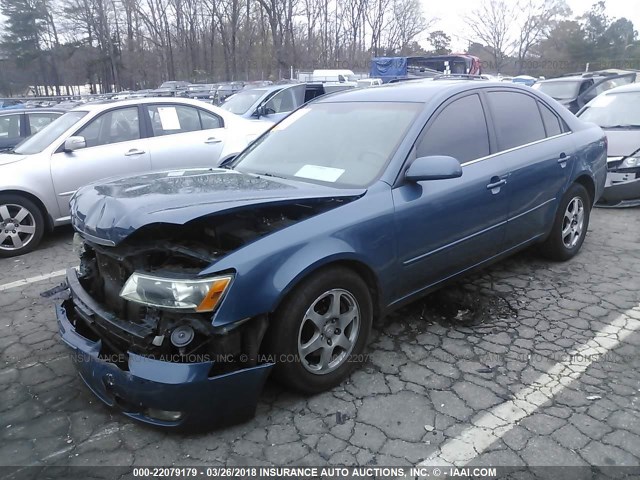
column 435, row 167
column 74, row 143
column 261, row 111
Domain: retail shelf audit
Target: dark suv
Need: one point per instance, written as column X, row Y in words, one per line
column 575, row 90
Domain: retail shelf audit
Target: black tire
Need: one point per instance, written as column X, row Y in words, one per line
column 33, row 222
column 556, row 246
column 285, row 330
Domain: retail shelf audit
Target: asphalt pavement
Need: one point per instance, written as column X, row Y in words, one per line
column 528, row 363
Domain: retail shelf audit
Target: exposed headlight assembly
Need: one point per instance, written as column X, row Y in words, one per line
column 630, row 162
column 196, row 295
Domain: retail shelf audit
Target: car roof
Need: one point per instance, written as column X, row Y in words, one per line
column 420, row 91
column 631, row 87
column 569, row 78
column 106, row 104
column 34, row 110
column 271, row 88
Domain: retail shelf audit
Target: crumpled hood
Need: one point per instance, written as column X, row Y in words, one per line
column 111, row 211
column 622, row 143
column 6, row 158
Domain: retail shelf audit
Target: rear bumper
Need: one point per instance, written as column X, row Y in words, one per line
column 162, row 393
column 621, row 190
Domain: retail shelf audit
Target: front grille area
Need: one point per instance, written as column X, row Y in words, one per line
column 112, row 275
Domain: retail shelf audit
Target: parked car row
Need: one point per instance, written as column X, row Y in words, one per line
column 103, row 139
column 196, row 284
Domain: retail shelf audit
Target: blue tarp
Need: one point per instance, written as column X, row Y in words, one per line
column 388, row 68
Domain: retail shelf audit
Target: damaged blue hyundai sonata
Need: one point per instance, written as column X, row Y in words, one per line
column 195, row 285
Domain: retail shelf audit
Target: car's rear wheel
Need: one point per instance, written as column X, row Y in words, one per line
column 570, row 225
column 21, row 225
column 320, row 331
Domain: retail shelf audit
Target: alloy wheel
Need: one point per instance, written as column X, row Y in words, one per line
column 329, row 331
column 17, row 227
column 573, row 222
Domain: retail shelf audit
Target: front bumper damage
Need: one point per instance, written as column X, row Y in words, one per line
column 181, row 396
column 622, row 189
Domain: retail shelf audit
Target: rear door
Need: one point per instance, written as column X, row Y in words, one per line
column 447, row 226
column 114, row 147
column 533, row 143
column 184, row 136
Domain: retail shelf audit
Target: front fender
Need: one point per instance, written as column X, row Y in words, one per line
column 248, row 298
column 267, row 270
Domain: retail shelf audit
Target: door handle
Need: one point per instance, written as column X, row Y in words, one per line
column 496, row 184
column 212, row 140
column 562, row 161
column 133, row 151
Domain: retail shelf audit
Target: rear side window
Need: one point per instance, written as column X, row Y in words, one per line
column 459, row 131
column 10, row 126
column 172, row 119
column 37, row 121
column 516, row 119
column 551, row 122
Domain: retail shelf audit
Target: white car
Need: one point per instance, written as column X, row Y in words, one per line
column 106, row 139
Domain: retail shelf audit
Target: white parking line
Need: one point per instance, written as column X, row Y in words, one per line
column 491, row 425
column 27, row 281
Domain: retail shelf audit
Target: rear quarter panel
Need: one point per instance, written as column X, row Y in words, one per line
column 591, row 148
column 591, row 156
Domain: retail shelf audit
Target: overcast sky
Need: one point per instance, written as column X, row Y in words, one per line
column 450, row 14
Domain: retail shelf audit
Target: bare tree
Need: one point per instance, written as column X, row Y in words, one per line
column 377, row 12
column 407, row 21
column 536, row 19
column 492, row 24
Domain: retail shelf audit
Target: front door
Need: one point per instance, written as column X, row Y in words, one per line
column 447, row 226
column 114, row 147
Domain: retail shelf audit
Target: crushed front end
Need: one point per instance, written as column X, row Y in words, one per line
column 139, row 319
column 622, row 188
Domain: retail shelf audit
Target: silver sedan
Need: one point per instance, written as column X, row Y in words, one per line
column 106, row 139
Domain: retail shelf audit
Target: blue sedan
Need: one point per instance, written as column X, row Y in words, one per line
column 195, row 285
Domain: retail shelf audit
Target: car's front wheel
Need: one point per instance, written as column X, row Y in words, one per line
column 319, row 333
column 570, row 225
column 21, row 225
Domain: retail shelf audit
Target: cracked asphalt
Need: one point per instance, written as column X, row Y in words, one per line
column 494, row 382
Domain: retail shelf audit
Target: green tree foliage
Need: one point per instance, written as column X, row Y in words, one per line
column 440, row 42
column 23, row 28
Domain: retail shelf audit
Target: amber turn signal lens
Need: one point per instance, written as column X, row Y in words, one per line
column 213, row 296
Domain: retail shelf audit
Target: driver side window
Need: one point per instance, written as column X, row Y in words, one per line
column 459, row 131
column 114, row 126
column 282, row 101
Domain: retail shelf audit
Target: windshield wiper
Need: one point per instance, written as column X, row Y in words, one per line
column 627, row 125
column 267, row 174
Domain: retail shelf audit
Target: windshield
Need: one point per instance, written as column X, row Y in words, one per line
column 614, row 110
column 344, row 144
column 563, row 90
column 242, row 101
column 45, row 137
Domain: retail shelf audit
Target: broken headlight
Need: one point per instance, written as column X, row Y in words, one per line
column 199, row 295
column 630, row 162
